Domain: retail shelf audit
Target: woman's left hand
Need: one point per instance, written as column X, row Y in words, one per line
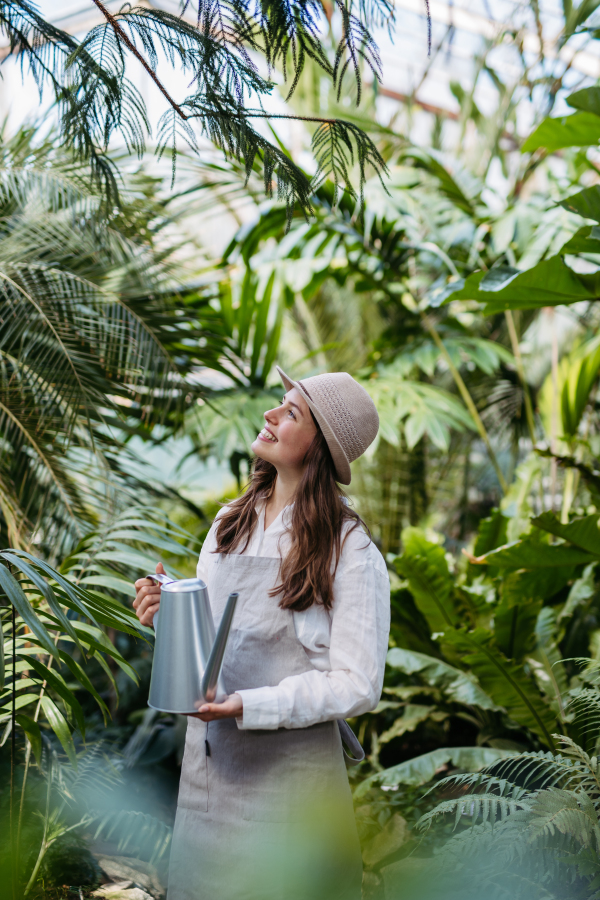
column 230, row 708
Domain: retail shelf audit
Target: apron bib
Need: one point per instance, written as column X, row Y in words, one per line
column 261, row 814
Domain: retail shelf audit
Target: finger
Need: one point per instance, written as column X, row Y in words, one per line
column 148, row 609
column 145, row 594
column 147, row 605
column 146, row 597
column 147, row 617
column 149, row 588
column 160, row 569
column 210, row 711
column 143, row 582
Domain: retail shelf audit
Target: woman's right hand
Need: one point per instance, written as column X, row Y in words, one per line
column 147, row 597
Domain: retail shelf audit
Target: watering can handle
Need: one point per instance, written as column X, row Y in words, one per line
column 160, row 579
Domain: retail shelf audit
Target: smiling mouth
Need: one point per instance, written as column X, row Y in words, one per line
column 265, row 435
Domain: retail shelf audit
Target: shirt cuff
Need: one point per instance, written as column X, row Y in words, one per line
column 261, row 709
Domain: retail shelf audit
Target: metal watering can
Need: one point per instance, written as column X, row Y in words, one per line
column 188, row 653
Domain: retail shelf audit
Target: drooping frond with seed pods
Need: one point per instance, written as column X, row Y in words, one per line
column 215, row 43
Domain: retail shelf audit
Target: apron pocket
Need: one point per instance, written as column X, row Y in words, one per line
column 287, row 773
column 193, row 786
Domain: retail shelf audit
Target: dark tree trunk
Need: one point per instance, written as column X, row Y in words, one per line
column 417, row 482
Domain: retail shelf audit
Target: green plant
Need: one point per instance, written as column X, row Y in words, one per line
column 64, row 809
column 92, row 345
column 478, row 652
column 528, row 826
column 213, row 45
column 49, row 611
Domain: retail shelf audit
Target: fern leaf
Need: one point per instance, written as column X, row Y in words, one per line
column 569, row 812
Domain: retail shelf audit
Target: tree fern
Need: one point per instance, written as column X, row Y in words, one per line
column 568, row 812
column 528, row 826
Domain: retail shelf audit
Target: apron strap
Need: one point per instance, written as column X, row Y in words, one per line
column 351, row 741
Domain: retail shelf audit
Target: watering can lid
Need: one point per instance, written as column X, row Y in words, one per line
column 188, row 584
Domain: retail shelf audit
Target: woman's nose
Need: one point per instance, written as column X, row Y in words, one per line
column 271, row 415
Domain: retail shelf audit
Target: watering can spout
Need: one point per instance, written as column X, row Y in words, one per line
column 215, row 660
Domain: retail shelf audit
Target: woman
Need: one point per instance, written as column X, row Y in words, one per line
column 264, row 807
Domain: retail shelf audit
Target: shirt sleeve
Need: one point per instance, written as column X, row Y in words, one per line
column 360, row 622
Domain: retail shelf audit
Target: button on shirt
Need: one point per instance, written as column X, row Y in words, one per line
column 347, row 644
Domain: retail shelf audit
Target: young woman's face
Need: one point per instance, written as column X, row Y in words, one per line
column 288, row 433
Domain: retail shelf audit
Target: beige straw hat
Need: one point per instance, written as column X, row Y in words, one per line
column 345, row 413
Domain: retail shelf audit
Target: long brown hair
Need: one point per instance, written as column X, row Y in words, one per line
column 318, row 516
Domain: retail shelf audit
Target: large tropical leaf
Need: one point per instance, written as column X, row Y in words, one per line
column 577, row 375
column 552, row 676
column 461, row 687
column 412, row 716
column 422, row 769
column 515, row 619
column 582, row 532
column 549, row 283
column 581, row 592
column 586, row 203
column 505, row 681
column 491, row 533
column 424, row 565
column 531, row 553
column 580, row 129
column 415, row 408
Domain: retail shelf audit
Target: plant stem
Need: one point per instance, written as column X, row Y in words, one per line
column 516, row 349
column 554, row 412
column 44, row 845
column 567, row 496
column 23, row 785
column 122, row 36
column 468, row 401
column 28, row 755
column 13, row 751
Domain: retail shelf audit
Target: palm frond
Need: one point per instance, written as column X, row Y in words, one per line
column 568, row 812
column 90, row 328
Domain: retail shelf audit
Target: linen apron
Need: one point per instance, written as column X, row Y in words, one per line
column 262, row 814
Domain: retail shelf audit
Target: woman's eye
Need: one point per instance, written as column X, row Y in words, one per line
column 291, row 412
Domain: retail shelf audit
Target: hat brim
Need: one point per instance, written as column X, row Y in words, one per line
column 340, row 460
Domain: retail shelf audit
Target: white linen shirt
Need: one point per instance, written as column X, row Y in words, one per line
column 347, row 644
